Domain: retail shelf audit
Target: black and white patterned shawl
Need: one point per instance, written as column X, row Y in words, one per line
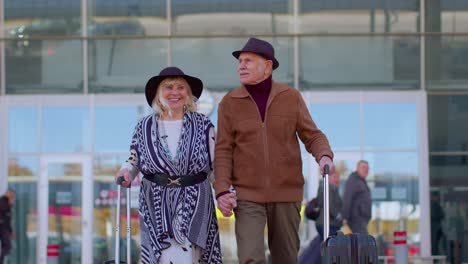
column 182, row 212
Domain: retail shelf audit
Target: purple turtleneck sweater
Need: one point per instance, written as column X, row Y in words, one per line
column 260, row 93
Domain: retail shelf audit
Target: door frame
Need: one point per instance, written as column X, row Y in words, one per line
column 87, row 204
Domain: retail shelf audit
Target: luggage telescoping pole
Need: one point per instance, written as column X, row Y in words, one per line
column 117, row 228
column 326, row 213
column 117, row 223
column 129, row 227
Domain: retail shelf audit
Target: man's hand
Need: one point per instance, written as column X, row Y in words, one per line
column 124, row 172
column 325, row 160
column 226, row 203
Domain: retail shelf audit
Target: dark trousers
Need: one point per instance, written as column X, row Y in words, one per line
column 333, row 230
column 282, row 220
column 6, row 245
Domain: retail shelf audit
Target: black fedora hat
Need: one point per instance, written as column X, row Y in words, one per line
column 196, row 85
column 260, row 47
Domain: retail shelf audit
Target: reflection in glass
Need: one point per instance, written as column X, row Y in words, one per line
column 449, row 196
column 359, row 63
column 241, row 17
column 124, row 65
column 449, row 170
column 113, row 127
column 25, row 19
column 129, row 18
column 339, row 122
column 25, row 220
column 359, row 16
column 447, row 16
column 211, row 60
column 104, row 203
column 24, row 167
column 23, row 129
column 65, row 129
column 447, row 62
column 390, row 126
column 448, row 122
column 64, row 206
column 43, row 66
column 393, row 180
column 108, row 165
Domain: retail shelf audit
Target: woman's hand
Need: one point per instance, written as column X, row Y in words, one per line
column 127, row 179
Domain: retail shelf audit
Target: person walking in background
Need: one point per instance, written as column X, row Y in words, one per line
column 6, row 230
column 173, row 149
column 336, row 205
column 257, row 152
column 357, row 205
column 437, row 231
column 311, row 254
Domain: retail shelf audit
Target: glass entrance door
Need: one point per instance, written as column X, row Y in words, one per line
column 65, row 208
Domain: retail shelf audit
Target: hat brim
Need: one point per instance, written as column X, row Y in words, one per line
column 196, row 86
column 237, row 53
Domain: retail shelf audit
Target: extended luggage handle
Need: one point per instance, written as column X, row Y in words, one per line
column 326, row 203
column 119, row 181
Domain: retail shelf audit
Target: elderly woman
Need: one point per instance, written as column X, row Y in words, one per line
column 173, row 149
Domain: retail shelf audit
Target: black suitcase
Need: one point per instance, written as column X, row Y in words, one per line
column 344, row 249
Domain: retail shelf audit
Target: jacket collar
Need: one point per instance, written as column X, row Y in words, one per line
column 241, row 91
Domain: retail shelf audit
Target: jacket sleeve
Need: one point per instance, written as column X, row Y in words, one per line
column 348, row 198
column 133, row 161
column 314, row 140
column 223, row 151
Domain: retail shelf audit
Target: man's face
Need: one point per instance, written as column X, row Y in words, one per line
column 253, row 68
column 335, row 178
column 10, row 196
column 363, row 170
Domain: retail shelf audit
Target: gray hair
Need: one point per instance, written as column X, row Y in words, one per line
column 362, row 162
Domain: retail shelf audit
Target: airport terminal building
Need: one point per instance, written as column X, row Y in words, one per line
column 386, row 80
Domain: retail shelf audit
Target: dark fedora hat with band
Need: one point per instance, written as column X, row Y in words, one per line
column 196, row 85
column 260, row 47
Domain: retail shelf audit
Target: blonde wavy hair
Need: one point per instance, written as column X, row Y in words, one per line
column 160, row 104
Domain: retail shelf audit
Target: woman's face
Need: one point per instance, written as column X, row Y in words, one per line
column 175, row 93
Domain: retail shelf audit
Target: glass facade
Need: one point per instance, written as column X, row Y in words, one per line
column 365, row 62
column 385, row 80
column 448, row 116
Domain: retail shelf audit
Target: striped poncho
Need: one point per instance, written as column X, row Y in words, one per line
column 178, row 213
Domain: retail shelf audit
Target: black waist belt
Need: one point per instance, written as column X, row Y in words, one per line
column 176, row 181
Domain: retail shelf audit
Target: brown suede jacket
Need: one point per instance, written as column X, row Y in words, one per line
column 262, row 160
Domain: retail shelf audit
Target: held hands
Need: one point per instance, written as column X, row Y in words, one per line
column 226, row 203
column 325, row 160
column 127, row 179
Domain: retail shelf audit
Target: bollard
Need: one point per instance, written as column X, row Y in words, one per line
column 53, row 254
column 401, row 249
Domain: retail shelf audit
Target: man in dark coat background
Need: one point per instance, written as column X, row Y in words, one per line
column 357, row 207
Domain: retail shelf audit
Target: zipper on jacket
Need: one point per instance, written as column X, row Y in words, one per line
column 265, row 145
column 265, row 149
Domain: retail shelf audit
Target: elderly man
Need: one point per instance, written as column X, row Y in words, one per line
column 257, row 152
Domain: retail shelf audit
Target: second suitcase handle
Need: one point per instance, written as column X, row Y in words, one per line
column 326, row 203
